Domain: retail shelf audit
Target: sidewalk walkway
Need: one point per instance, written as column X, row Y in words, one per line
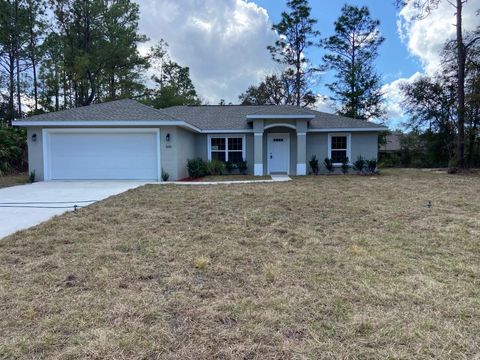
column 275, row 178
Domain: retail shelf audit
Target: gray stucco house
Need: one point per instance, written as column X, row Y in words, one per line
column 127, row 140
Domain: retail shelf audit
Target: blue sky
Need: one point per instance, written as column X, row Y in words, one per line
column 394, row 60
column 224, row 42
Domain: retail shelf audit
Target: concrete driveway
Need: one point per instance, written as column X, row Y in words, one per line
column 24, row 206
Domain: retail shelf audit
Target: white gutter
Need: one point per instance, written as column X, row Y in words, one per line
column 241, row 131
column 136, row 123
column 348, row 129
column 126, row 123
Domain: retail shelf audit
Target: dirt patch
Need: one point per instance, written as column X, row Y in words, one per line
column 12, row 180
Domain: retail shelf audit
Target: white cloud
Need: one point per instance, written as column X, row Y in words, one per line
column 324, row 104
column 223, row 42
column 393, row 99
column 426, row 37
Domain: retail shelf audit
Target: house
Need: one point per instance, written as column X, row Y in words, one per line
column 124, row 139
column 392, row 143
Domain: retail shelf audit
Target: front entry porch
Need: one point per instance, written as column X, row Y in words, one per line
column 280, row 146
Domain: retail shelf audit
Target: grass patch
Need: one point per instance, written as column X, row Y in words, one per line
column 12, row 180
column 320, row 267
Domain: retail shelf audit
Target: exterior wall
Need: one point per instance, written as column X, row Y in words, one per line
column 168, row 158
column 293, row 148
column 173, row 154
column 249, row 139
column 201, row 148
column 317, row 144
column 363, row 144
column 185, row 146
column 35, row 152
column 271, row 122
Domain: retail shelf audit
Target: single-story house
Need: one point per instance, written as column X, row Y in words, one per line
column 125, row 139
column 392, row 143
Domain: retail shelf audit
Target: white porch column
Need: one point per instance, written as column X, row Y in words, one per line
column 258, row 148
column 301, row 147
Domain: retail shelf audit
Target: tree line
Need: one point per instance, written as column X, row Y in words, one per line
column 60, row 54
column 442, row 110
column 350, row 54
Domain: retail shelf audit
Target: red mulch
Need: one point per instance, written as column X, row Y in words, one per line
column 190, row 179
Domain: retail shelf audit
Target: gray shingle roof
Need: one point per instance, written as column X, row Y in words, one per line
column 125, row 109
column 234, row 117
column 205, row 117
column 214, row 117
column 280, row 110
column 331, row 121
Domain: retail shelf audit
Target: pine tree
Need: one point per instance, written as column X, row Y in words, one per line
column 296, row 34
column 351, row 54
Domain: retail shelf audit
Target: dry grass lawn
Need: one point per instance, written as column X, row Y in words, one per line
column 321, row 267
column 11, row 180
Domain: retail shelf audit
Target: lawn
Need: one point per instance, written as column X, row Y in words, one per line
column 11, row 180
column 321, row 267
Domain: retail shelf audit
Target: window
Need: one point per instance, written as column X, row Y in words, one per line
column 226, row 148
column 218, row 149
column 339, row 147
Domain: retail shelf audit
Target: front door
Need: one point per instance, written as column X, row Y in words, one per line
column 278, row 153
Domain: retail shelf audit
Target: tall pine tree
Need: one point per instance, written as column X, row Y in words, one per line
column 351, row 54
column 296, row 34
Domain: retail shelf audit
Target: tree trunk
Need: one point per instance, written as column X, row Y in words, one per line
column 33, row 59
column 471, row 144
column 298, row 79
column 11, row 88
column 461, row 60
column 17, row 60
column 57, row 88
column 353, row 81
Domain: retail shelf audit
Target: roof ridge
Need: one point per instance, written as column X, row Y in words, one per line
column 130, row 106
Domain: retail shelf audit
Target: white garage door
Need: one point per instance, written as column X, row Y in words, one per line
column 100, row 155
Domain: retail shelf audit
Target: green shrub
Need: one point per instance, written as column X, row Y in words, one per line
column 314, row 164
column 345, row 165
column 372, row 166
column 13, row 150
column 328, row 164
column 165, row 175
column 215, row 167
column 197, row 168
column 31, row 177
column 229, row 166
column 359, row 165
column 242, row 167
column 387, row 160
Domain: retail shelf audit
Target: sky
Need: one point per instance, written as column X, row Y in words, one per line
column 224, row 42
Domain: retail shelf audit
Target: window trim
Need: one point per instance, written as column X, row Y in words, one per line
column 226, row 137
column 349, row 146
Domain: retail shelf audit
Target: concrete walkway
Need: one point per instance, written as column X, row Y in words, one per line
column 275, row 178
column 24, row 206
